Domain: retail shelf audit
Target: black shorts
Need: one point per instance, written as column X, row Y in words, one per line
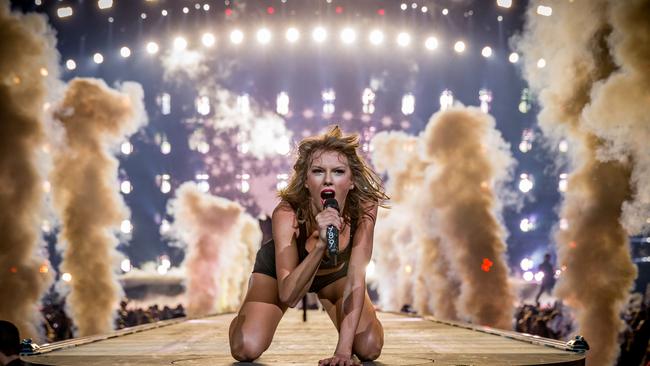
column 265, row 264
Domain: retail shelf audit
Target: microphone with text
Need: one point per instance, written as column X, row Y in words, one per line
column 332, row 233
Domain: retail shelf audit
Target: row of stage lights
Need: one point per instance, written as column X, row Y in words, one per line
column 348, row 37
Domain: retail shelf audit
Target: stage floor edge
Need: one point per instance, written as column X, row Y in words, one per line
column 408, row 340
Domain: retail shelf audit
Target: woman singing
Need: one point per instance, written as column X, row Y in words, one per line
column 296, row 261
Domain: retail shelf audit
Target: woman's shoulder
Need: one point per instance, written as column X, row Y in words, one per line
column 284, row 211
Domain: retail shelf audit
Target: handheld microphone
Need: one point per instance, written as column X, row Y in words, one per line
column 332, row 233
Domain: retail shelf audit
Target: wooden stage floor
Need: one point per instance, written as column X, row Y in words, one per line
column 409, row 340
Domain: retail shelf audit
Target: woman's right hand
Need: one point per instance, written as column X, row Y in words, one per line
column 328, row 216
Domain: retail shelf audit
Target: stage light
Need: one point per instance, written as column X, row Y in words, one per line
column 431, row 43
column 528, row 276
column 348, row 36
column 499, row 18
column 203, row 147
column 98, row 58
column 165, row 147
column 376, row 37
column 165, row 102
column 110, row 19
column 125, row 265
column 292, row 35
column 546, row 11
column 126, row 187
column 319, row 34
column 564, row 224
column 66, row 277
column 164, row 12
column 236, row 36
column 143, row 16
column 152, row 48
column 446, row 99
column 526, row 264
column 513, row 58
column 403, row 6
column 282, row 104
column 504, row 3
column 414, row 5
column 44, row 72
column 408, row 104
column 206, row 7
column 70, row 64
column 368, row 101
column 37, row 2
column 245, row 185
column 445, row 11
column 403, row 39
column 263, row 36
column 207, row 39
column 186, row 10
column 64, row 12
column 459, row 47
column 563, row 146
column 563, row 183
column 526, row 182
column 125, row 52
column 164, row 180
column 527, row 224
column 164, row 226
column 126, row 227
column 270, row 10
column 203, row 105
column 541, row 63
column 126, row 148
column 197, row 6
column 486, row 52
column 180, row 43
column 424, row 9
column 485, row 97
column 105, row 4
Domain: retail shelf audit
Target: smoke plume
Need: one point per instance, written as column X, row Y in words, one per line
column 221, row 241
column 594, row 90
column 86, row 197
column 28, row 69
column 470, row 159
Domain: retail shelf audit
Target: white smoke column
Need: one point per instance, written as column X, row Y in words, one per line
column 86, row 195
column 470, row 157
column 221, row 241
column 594, row 91
column 28, row 65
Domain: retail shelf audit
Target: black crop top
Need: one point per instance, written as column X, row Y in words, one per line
column 342, row 257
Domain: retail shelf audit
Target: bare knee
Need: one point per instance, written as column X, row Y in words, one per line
column 245, row 346
column 368, row 346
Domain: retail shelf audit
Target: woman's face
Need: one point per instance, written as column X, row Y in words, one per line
column 329, row 171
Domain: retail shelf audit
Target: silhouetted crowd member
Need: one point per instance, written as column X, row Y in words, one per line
column 635, row 345
column 548, row 281
column 9, row 344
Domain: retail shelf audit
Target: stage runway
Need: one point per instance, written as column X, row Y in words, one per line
column 409, row 340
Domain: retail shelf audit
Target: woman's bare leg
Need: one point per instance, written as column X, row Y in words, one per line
column 369, row 336
column 251, row 331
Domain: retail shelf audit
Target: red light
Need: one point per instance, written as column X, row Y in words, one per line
column 339, row 9
column 381, row 11
column 487, row 264
column 270, row 10
column 13, row 269
column 228, row 12
column 573, row 245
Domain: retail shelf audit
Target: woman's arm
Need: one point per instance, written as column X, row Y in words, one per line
column 355, row 288
column 294, row 279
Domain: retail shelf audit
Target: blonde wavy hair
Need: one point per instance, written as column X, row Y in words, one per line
column 368, row 188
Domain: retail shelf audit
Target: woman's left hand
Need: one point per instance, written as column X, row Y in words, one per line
column 338, row 360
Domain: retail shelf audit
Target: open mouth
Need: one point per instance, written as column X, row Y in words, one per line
column 327, row 193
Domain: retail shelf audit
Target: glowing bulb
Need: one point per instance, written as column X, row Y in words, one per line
column 125, row 52
column 376, row 37
column 70, row 64
column 459, row 46
column 292, row 35
column 125, row 265
column 98, row 58
column 513, row 58
column 348, row 36
column 180, row 43
column 541, row 63
column 152, row 48
column 263, row 36
column 431, row 43
column 126, row 187
column 66, row 277
column 403, row 39
column 208, row 39
column 486, row 52
column 319, row 34
column 528, row 276
column 236, row 36
column 126, row 227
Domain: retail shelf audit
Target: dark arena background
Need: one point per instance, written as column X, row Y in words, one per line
column 144, row 143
